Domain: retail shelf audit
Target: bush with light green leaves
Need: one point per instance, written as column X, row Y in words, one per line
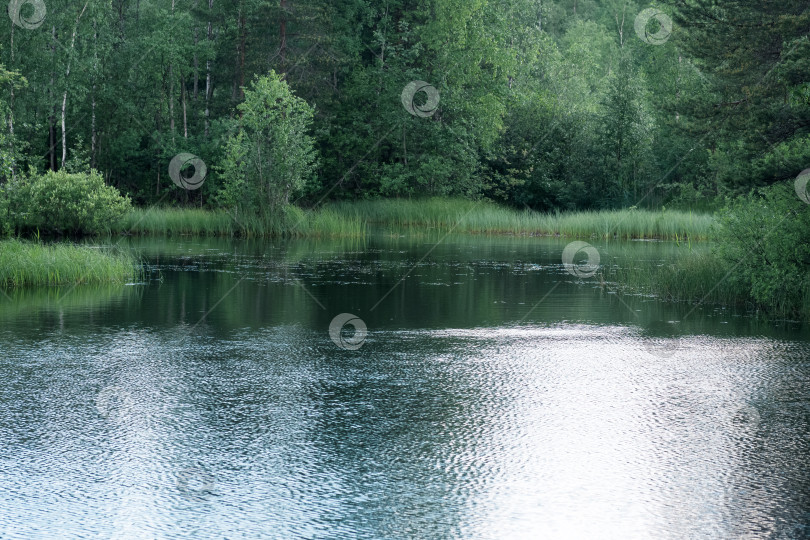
column 65, row 204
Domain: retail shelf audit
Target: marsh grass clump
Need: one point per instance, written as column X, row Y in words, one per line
column 291, row 221
column 690, row 276
column 178, row 222
column 28, row 264
column 484, row 217
column 324, row 222
column 352, row 219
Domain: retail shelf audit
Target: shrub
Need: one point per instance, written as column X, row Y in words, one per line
column 64, row 203
column 765, row 243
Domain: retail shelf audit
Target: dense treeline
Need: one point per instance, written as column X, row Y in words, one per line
column 550, row 104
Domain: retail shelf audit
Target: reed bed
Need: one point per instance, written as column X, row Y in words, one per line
column 700, row 276
column 194, row 222
column 28, row 264
column 489, row 218
column 177, row 221
column 691, row 276
column 350, row 219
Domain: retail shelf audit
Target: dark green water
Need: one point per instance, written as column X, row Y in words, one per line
column 495, row 395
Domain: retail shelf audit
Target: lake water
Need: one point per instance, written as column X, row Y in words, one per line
column 494, row 395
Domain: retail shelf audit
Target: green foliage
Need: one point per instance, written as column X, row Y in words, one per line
column 765, row 243
column 78, row 158
column 64, row 203
column 625, row 130
column 272, row 155
column 755, row 68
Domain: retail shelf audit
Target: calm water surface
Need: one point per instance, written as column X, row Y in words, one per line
column 495, row 396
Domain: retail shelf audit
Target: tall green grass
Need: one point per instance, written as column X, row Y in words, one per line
column 690, row 276
column 462, row 215
column 25, row 263
column 349, row 219
column 697, row 276
column 292, row 221
column 177, row 221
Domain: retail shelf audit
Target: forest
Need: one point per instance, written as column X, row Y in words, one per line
column 550, row 105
